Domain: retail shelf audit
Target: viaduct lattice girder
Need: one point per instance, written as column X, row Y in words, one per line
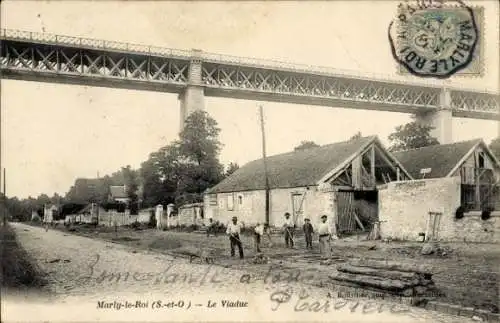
column 55, row 58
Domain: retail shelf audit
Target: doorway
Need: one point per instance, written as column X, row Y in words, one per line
column 298, row 208
column 357, row 211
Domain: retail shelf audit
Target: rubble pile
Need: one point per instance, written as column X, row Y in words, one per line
column 260, row 259
column 388, row 277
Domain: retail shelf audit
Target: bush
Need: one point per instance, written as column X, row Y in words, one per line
column 459, row 213
column 192, row 227
column 220, row 227
column 135, row 225
column 152, row 221
column 486, row 213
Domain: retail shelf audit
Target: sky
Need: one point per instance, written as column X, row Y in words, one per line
column 53, row 133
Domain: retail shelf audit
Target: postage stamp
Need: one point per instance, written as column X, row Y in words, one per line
column 437, row 39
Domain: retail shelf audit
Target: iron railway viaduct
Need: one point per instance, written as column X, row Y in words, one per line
column 194, row 74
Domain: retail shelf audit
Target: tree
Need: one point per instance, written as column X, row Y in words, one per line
column 231, row 168
column 357, row 135
column 56, row 199
column 198, row 167
column 306, row 144
column 152, row 180
column 410, row 136
column 132, row 188
column 495, row 147
column 43, row 199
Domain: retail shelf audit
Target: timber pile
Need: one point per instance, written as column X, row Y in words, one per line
column 387, row 277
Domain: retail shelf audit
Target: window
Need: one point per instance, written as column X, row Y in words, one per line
column 240, row 199
column 230, row 202
column 480, row 160
column 221, row 203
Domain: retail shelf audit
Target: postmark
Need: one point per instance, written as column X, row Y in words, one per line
column 431, row 38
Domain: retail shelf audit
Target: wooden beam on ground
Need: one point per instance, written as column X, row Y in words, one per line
column 393, row 265
column 373, row 281
column 391, row 274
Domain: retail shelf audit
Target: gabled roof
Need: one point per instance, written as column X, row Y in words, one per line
column 294, row 169
column 441, row 159
column 118, row 192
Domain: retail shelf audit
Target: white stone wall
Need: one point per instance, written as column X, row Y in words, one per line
column 252, row 207
column 312, row 207
column 405, row 207
column 250, row 211
column 190, row 214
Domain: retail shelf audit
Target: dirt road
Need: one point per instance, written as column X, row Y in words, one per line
column 90, row 279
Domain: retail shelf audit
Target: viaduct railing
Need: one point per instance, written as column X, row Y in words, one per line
column 31, row 54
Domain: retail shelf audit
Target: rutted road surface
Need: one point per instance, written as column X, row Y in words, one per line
column 98, row 280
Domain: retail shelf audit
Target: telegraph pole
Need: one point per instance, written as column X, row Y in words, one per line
column 4, row 200
column 265, row 161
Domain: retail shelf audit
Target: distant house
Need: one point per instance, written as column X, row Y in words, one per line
column 70, row 212
column 451, row 198
column 339, row 180
column 118, row 194
column 471, row 160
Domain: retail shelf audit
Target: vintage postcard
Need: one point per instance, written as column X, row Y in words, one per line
column 250, row 161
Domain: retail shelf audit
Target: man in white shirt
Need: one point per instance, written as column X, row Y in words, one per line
column 234, row 230
column 325, row 235
column 258, row 233
column 288, row 228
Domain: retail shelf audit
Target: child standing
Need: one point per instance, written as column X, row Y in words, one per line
column 308, row 232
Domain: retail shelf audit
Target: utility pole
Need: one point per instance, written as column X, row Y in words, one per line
column 265, row 161
column 4, row 209
column 99, row 202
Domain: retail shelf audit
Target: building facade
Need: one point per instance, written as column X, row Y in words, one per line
column 451, row 178
column 338, row 180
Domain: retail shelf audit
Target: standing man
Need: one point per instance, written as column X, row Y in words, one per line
column 258, row 233
column 234, row 230
column 288, row 226
column 325, row 235
column 308, row 232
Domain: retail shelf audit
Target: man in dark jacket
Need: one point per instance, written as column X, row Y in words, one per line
column 308, row 232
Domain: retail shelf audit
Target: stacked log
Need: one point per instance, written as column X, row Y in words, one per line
column 387, row 277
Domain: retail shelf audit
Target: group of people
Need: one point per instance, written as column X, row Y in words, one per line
column 324, row 231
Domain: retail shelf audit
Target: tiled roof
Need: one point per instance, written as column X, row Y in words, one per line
column 118, row 192
column 293, row 169
column 441, row 159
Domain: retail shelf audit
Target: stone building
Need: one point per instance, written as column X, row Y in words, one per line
column 464, row 174
column 118, row 193
column 339, row 180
